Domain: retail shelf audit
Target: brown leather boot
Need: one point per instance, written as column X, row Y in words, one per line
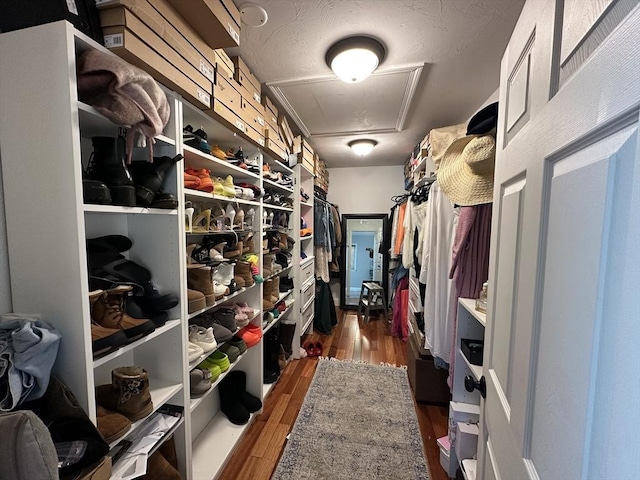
column 128, row 393
column 201, row 279
column 111, row 425
column 236, row 251
column 267, row 265
column 158, row 468
column 243, row 270
column 107, row 310
column 267, row 286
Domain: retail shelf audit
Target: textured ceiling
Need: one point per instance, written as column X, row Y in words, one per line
column 443, row 61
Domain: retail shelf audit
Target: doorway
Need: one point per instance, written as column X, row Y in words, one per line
column 361, row 257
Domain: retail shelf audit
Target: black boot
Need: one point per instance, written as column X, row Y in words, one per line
column 149, row 177
column 286, row 332
column 108, row 165
column 230, row 389
column 271, row 365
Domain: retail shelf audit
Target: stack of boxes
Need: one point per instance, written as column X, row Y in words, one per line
column 322, row 175
column 180, row 44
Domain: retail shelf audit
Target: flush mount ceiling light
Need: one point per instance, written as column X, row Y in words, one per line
column 362, row 147
column 253, row 15
column 353, row 59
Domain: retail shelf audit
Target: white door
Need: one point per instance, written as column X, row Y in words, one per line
column 562, row 363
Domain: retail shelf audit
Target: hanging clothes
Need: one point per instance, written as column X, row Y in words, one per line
column 394, row 231
column 399, row 326
column 470, row 261
column 439, row 228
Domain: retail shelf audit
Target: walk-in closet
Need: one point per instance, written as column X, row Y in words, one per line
column 272, row 240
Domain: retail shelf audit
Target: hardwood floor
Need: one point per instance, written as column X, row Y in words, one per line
column 259, row 450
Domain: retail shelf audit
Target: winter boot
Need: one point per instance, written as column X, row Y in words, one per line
column 243, row 270
column 108, row 166
column 234, row 251
column 111, row 425
column 107, row 310
column 275, row 289
column 230, row 389
column 271, row 366
column 286, row 332
column 128, row 393
column 251, row 403
column 149, row 177
column 226, row 317
column 95, row 192
column 201, row 279
column 286, row 284
column 223, row 274
column 159, row 468
column 267, row 303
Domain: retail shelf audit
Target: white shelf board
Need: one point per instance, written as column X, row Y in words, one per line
column 91, row 208
column 266, row 388
column 197, row 159
column 268, row 206
column 283, row 295
column 271, row 184
column 306, row 204
column 198, row 195
column 220, row 302
column 171, row 324
column 469, row 305
column 214, row 445
column 284, row 270
column 197, row 401
column 271, row 325
column 309, row 237
column 476, row 370
column 278, row 166
column 161, row 391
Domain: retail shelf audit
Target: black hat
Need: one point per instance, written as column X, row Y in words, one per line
column 484, row 121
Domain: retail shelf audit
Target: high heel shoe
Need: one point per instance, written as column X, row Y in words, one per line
column 218, row 214
column 238, row 223
column 270, row 219
column 188, row 213
column 201, row 222
column 230, row 214
column 249, row 217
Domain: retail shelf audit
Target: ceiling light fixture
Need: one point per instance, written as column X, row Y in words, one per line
column 353, row 59
column 362, row 147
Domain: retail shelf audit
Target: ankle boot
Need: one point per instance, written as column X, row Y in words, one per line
column 128, row 393
column 271, row 366
column 201, row 279
column 275, row 289
column 223, row 274
column 243, row 270
column 234, row 251
column 108, row 165
column 286, row 332
column 267, row 304
column 107, row 310
column 149, row 177
column 111, row 425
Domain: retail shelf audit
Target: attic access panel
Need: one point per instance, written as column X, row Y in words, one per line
column 329, row 106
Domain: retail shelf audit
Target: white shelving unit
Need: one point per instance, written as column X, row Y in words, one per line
column 464, row 406
column 304, row 269
column 47, row 230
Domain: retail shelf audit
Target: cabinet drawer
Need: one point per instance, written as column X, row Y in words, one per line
column 306, row 273
column 308, row 293
column 307, row 313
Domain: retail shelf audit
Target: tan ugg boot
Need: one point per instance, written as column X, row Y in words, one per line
column 275, row 289
column 111, row 425
column 267, row 265
column 243, row 270
column 201, row 279
column 267, row 304
column 128, row 393
column 107, row 310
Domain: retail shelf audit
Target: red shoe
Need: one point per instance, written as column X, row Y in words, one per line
column 310, row 349
column 317, row 349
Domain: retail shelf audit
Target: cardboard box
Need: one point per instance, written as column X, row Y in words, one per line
column 120, row 16
column 254, row 135
column 275, row 150
column 224, row 63
column 271, row 120
column 251, row 116
column 268, row 104
column 129, row 47
column 168, row 24
column 226, row 116
column 287, row 134
column 300, row 144
column 225, row 93
column 245, row 78
column 249, row 95
column 214, row 20
column 101, row 470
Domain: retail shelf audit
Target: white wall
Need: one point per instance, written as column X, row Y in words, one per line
column 5, row 287
column 365, row 189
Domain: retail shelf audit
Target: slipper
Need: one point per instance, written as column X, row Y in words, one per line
column 317, row 349
column 310, row 349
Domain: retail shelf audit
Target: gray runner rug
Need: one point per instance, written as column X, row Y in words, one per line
column 357, row 422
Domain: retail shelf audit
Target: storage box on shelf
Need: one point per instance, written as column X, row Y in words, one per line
column 216, row 21
column 464, row 409
column 48, row 104
column 304, row 150
column 322, row 174
column 304, row 270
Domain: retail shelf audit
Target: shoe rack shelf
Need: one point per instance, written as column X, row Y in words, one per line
column 223, row 300
column 49, row 276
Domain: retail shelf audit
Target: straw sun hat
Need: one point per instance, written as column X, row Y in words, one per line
column 466, row 170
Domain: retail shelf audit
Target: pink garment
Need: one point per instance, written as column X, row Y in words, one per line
column 470, row 261
column 399, row 327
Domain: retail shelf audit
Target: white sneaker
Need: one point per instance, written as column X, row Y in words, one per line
column 195, row 352
column 203, row 337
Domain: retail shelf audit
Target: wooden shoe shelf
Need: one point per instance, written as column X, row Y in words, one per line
column 48, row 142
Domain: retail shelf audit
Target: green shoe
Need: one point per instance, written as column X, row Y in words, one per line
column 213, row 368
column 220, row 359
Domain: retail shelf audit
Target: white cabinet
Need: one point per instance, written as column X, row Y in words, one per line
column 45, row 141
column 464, row 408
column 303, row 255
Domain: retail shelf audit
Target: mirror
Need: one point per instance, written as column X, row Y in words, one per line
column 362, row 260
